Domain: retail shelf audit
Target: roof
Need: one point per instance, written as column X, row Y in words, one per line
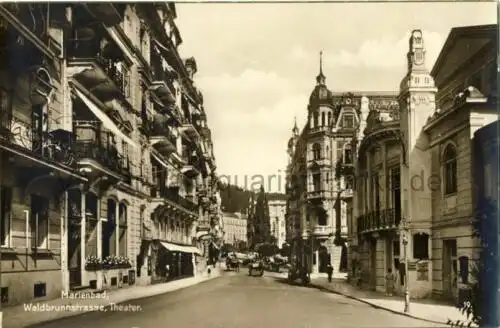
column 462, row 44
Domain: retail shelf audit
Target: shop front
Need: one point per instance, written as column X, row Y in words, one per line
column 174, row 261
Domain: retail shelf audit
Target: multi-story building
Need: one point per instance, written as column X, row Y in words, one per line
column 414, row 194
column 106, row 157
column 259, row 225
column 320, row 200
column 277, row 209
column 235, row 228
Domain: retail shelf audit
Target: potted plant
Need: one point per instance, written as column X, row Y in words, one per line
column 93, row 263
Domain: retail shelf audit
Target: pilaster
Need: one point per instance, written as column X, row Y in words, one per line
column 83, row 236
column 64, row 244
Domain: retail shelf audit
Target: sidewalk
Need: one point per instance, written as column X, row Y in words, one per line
column 18, row 316
column 425, row 309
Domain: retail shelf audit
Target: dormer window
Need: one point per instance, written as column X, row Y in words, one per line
column 348, row 121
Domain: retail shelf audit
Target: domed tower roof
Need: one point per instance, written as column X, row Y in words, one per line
column 321, row 95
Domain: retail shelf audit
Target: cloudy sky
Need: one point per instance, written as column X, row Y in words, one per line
column 257, row 65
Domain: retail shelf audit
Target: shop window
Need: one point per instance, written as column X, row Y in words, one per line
column 421, row 246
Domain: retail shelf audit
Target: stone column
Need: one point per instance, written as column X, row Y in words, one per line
column 64, row 243
column 117, row 228
column 99, row 243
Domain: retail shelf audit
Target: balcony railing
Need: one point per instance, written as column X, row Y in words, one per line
column 55, row 146
column 162, row 129
column 173, row 195
column 33, row 16
column 321, row 230
column 379, row 220
column 106, row 156
column 90, row 50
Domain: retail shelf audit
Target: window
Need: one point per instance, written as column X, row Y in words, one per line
column 5, row 215
column 395, row 194
column 348, row 155
column 316, row 151
column 317, row 181
column 122, row 230
column 109, row 230
column 323, row 119
column 421, row 246
column 450, row 169
column 39, row 222
column 329, row 119
column 348, row 121
column 5, row 110
column 375, row 192
column 316, row 119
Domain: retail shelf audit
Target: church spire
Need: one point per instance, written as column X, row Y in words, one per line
column 320, row 79
column 295, row 129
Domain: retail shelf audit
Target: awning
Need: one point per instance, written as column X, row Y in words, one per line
column 106, row 121
column 180, row 248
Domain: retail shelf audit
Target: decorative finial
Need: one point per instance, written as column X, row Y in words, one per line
column 295, row 129
column 321, row 78
column 321, row 62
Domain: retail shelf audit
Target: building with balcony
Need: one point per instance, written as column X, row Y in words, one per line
column 320, row 196
column 235, row 228
column 277, row 209
column 107, row 168
column 259, row 224
column 414, row 166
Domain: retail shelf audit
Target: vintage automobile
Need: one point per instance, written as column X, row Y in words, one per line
column 256, row 268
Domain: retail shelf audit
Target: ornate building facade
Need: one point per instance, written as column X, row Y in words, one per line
column 107, row 167
column 277, row 209
column 414, row 191
column 320, row 198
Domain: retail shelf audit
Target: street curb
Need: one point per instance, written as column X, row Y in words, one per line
column 322, row 288
column 77, row 314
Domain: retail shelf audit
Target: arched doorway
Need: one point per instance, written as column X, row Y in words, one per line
column 324, row 259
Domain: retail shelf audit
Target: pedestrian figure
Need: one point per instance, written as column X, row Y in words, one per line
column 390, row 280
column 329, row 271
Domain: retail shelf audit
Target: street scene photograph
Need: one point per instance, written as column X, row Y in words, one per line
column 249, row 164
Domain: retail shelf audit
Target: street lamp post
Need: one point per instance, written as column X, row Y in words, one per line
column 404, row 234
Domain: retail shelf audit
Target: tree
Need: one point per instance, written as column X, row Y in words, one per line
column 480, row 309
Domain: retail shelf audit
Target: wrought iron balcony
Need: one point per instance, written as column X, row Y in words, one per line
column 379, row 220
column 160, row 136
column 82, row 52
column 173, row 195
column 56, row 146
column 162, row 85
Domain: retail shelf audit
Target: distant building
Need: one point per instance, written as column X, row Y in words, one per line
column 277, row 209
column 235, row 228
column 259, row 225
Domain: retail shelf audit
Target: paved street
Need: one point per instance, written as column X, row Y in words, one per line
column 237, row 300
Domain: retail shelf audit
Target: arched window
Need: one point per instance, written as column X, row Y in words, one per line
column 316, row 119
column 323, row 123
column 329, row 118
column 450, row 169
column 122, row 230
column 316, row 151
